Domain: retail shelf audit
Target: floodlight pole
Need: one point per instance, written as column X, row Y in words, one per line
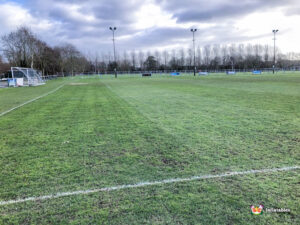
column 274, row 31
column 113, row 29
column 193, row 31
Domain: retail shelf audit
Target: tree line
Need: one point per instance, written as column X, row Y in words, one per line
column 23, row 48
column 209, row 57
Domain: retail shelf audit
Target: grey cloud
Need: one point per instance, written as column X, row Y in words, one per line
column 154, row 38
column 292, row 11
column 113, row 11
column 159, row 36
column 94, row 34
column 206, row 11
column 106, row 13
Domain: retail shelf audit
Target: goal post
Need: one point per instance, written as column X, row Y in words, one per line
column 31, row 77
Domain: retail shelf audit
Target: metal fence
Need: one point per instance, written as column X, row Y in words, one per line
column 164, row 72
column 49, row 77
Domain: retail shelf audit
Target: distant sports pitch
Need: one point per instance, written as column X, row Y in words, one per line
column 152, row 150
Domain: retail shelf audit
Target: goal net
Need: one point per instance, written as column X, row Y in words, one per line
column 31, row 77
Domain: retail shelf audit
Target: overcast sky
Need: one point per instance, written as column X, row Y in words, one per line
column 155, row 24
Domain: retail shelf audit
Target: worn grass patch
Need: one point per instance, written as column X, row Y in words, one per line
column 76, row 84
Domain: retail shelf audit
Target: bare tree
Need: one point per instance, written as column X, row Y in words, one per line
column 133, row 59
column 4, row 67
column 166, row 58
column 216, row 59
column 19, row 47
column 141, row 59
column 70, row 59
column 257, row 55
column 96, row 63
column 249, row 50
column 232, row 55
column 182, row 58
column 198, row 56
column 157, row 55
column 148, row 53
column 207, row 54
column 224, row 54
column 241, row 56
column 125, row 64
column 266, row 54
column 174, row 62
column 190, row 58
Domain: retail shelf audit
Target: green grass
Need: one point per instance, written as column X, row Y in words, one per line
column 12, row 97
column 110, row 132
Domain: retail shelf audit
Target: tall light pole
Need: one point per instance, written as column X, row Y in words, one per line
column 274, row 31
column 113, row 29
column 193, row 31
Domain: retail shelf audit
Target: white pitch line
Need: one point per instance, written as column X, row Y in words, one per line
column 32, row 100
column 143, row 184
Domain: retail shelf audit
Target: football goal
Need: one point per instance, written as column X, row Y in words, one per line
column 27, row 76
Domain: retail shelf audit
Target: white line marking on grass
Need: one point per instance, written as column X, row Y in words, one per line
column 143, row 184
column 32, row 100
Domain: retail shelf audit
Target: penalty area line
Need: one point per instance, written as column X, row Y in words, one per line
column 144, row 184
column 32, row 100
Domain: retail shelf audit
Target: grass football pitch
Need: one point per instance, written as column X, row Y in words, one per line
column 98, row 132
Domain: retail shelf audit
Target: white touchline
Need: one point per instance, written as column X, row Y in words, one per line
column 32, row 100
column 143, row 184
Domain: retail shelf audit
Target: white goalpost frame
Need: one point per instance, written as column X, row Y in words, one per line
column 29, row 74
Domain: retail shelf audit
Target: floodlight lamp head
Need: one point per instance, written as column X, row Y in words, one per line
column 115, row 28
column 110, row 28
